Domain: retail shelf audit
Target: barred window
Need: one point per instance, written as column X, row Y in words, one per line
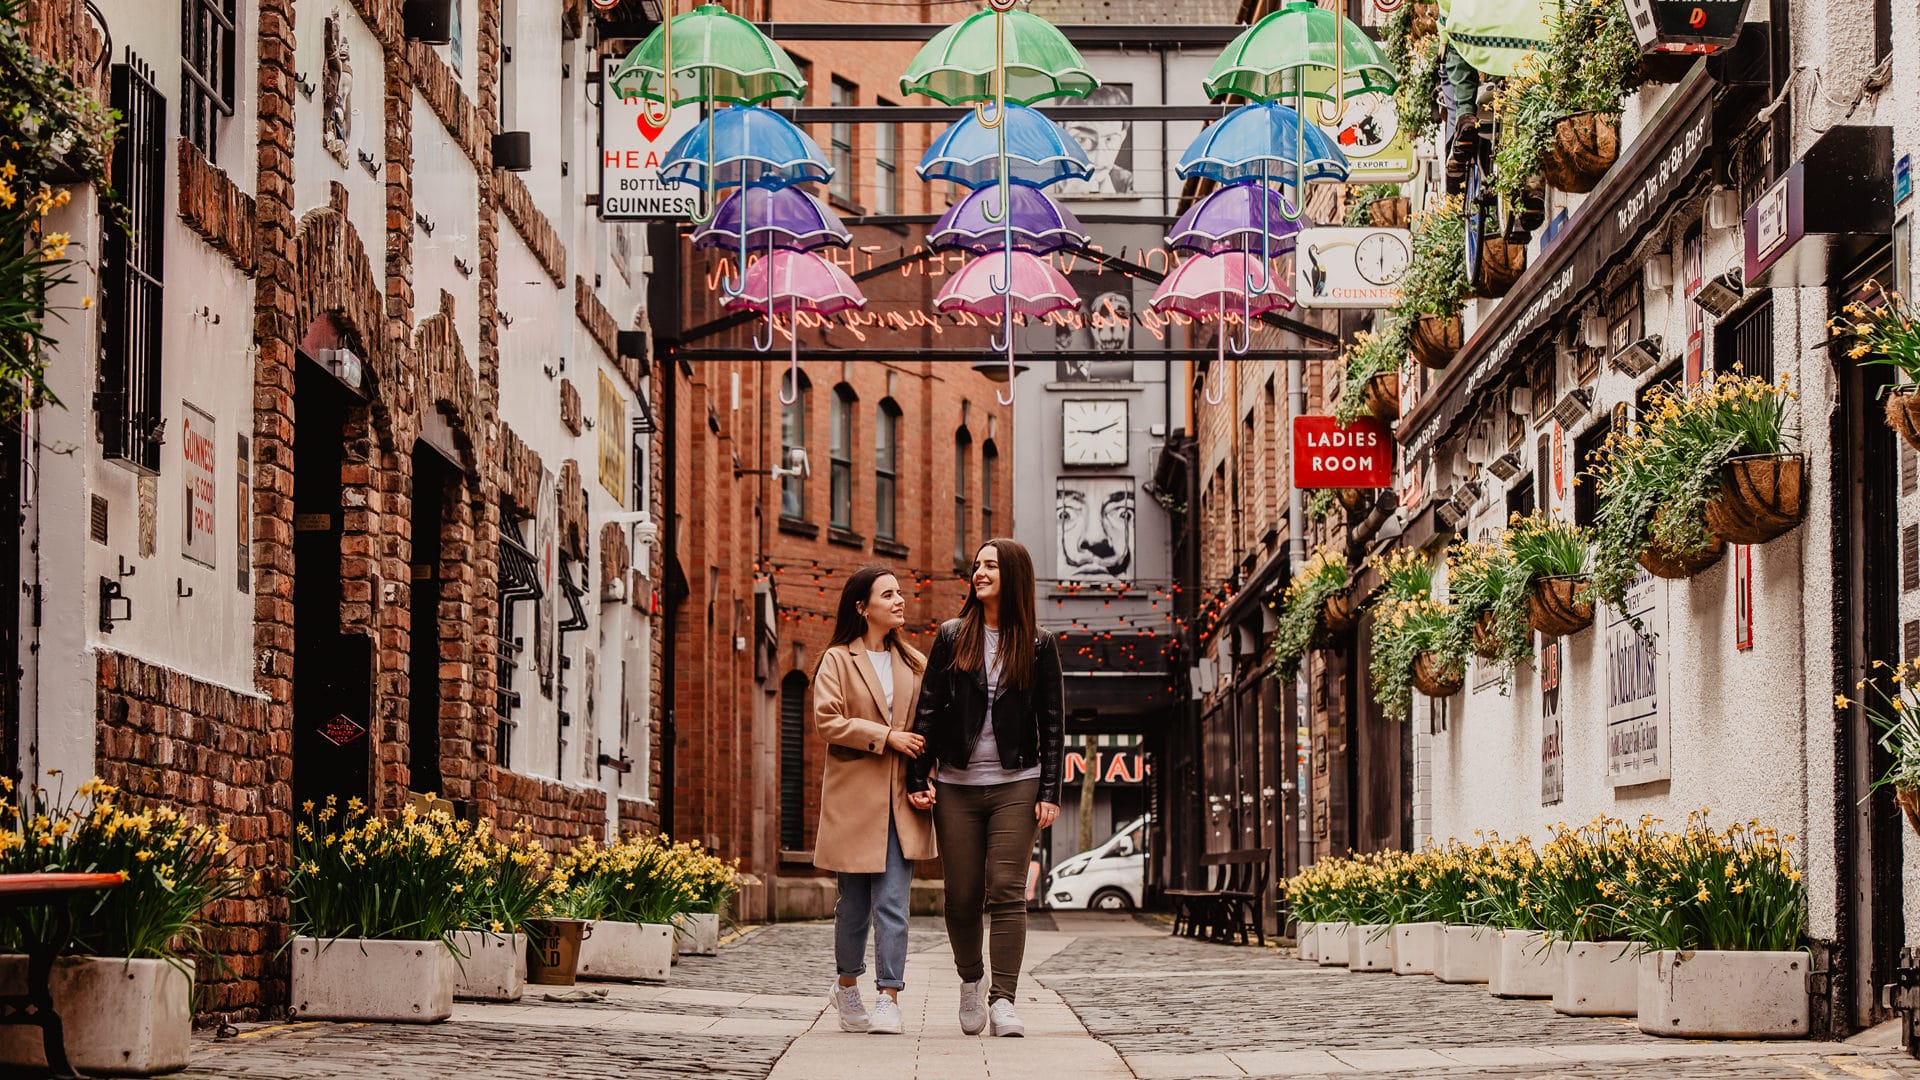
column 132, row 261
column 207, row 43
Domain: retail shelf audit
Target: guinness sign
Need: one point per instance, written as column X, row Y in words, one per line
column 1686, row 26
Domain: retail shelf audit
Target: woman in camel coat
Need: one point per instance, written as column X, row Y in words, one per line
column 864, row 692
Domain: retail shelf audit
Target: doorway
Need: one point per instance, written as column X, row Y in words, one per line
column 430, row 485
column 12, row 441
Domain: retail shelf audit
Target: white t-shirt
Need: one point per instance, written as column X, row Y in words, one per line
column 984, row 767
column 883, row 667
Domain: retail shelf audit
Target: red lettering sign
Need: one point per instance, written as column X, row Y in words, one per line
column 1326, row 455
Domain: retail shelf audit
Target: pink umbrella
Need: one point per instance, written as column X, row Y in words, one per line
column 799, row 281
column 1003, row 283
column 1211, row 284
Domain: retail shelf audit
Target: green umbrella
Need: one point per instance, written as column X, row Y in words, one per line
column 1268, row 59
column 715, row 55
column 959, row 65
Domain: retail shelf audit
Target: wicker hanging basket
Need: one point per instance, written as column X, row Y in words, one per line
column 1436, row 339
column 1383, row 396
column 1426, row 20
column 1432, row 677
column 1337, row 614
column 1486, row 638
column 1501, row 264
column 1760, row 498
column 1663, row 563
column 1903, row 414
column 1585, row 146
column 1351, row 498
column 1392, row 213
column 1909, row 800
column 1560, row 605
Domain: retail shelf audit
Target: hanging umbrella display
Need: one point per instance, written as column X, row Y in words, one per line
column 744, row 145
column 1247, row 217
column 1038, row 152
column 708, row 54
column 1035, row 289
column 1269, row 59
column 1208, row 286
column 787, row 217
column 1038, row 224
column 798, row 281
column 1262, row 141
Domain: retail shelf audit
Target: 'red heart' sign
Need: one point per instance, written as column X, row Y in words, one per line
column 646, row 124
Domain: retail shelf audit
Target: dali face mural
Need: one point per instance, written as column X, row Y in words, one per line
column 1095, row 518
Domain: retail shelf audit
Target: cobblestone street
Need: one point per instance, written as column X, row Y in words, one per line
column 1106, row 999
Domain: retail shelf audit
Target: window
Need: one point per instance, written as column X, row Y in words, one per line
column 840, row 452
column 841, row 187
column 989, row 465
column 886, row 445
column 1585, row 504
column 130, row 284
column 886, row 172
column 1746, row 343
column 962, row 558
column 793, row 765
column 793, row 436
column 207, row 39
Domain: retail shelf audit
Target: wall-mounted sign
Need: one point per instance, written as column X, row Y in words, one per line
column 1902, row 179
column 631, row 146
column 1686, row 26
column 1327, row 455
column 1553, row 774
column 201, row 483
column 1367, row 130
column 1350, row 268
column 1638, row 682
column 611, row 427
column 1775, row 221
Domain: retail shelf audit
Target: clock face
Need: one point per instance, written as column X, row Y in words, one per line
column 1381, row 257
column 1093, row 432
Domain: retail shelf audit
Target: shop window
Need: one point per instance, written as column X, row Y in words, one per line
column 207, row 38
column 131, row 266
column 793, row 769
column 1585, row 505
column 1520, row 498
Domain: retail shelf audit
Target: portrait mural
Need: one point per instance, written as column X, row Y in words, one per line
column 1095, row 517
column 1104, row 322
column 1108, row 142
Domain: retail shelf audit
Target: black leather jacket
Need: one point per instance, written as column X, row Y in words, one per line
column 1029, row 725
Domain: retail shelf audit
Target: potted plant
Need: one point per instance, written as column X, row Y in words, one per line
column 1552, row 555
column 1379, row 206
column 372, row 904
column 1372, row 904
column 1435, row 287
column 1581, row 871
column 639, row 888
column 1439, row 672
column 1451, row 878
column 714, row 881
column 1370, row 382
column 1900, row 727
column 1522, row 966
column 504, row 895
column 1320, row 505
column 1593, row 63
column 1305, row 608
column 1886, row 332
column 555, row 935
column 1720, row 913
column 1488, row 593
column 1407, row 626
column 1412, row 44
column 123, row 985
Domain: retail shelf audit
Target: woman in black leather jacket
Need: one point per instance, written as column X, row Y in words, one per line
column 991, row 716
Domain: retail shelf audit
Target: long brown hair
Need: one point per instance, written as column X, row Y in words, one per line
column 1017, row 622
column 849, row 625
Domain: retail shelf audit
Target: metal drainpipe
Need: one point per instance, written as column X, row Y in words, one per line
column 670, row 509
column 1296, row 555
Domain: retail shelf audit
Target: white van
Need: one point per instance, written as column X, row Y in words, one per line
column 1111, row 876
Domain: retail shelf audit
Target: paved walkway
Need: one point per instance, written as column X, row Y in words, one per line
column 1104, row 998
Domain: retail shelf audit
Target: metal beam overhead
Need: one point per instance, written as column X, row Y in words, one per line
column 946, row 114
column 1082, row 35
column 958, row 355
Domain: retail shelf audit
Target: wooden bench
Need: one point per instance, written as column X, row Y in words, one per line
column 35, row 1006
column 1229, row 905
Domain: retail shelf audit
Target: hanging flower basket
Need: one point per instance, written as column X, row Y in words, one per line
column 1392, row 213
column 1561, row 605
column 1585, row 146
column 1432, row 676
column 1337, row 614
column 1909, row 800
column 1383, row 396
column 1486, row 637
column 1903, row 414
column 1351, row 498
column 1436, row 339
column 1426, row 20
column 1501, row 264
column 1663, row 563
column 1760, row 498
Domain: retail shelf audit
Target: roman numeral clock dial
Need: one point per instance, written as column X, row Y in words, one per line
column 1093, row 432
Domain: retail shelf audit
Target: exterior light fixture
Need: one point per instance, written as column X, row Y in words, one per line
column 1578, row 403
column 1721, row 295
column 1639, row 357
column 428, row 21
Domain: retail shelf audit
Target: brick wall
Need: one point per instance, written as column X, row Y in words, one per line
column 556, row 813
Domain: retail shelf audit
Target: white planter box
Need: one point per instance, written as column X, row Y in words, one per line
column 1370, row 948
column 1598, row 978
column 624, row 950
column 1709, row 994
column 1309, row 942
column 363, row 979
column 121, row 1017
column 697, row 934
column 1524, row 966
column 492, row 967
column 1416, row 948
column 1332, row 940
column 1466, row 954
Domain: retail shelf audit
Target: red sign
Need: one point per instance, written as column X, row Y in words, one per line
column 1327, row 455
column 341, row 729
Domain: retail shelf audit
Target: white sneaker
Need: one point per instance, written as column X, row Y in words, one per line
column 846, row 1001
column 1006, row 1022
column 973, row 1016
column 885, row 1019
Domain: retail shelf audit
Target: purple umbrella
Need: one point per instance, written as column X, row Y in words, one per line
column 1039, row 224
column 1238, row 217
column 788, row 217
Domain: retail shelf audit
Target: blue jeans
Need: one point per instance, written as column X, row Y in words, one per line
column 880, row 901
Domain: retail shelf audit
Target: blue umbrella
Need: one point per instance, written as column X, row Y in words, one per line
column 751, row 146
column 1039, row 153
column 1261, row 142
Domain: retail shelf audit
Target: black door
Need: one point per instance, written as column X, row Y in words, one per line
column 12, row 521
column 423, row 675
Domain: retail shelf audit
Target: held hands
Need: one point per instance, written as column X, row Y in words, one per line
column 906, row 742
column 921, row 800
column 1046, row 813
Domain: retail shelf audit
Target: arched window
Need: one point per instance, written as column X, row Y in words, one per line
column 793, row 435
column 793, row 762
column 989, row 483
column 886, row 449
column 840, row 452
column 962, row 558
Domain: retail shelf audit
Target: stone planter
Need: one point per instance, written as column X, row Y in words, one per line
column 492, row 967
column 1585, row 146
column 408, row 982
column 1435, row 340
column 629, row 951
column 1333, row 943
column 1708, row 994
column 1416, row 948
column 1307, row 942
column 121, row 1017
column 1562, row 605
column 1432, row 676
column 697, row 933
column 1598, row 978
column 1759, row 500
column 1524, row 966
column 1370, row 948
column 1466, row 954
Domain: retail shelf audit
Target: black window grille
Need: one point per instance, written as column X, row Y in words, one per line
column 130, row 267
column 793, row 763
column 1746, row 342
column 207, row 41
column 519, row 581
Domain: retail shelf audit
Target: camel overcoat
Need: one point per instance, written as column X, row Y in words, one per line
column 863, row 780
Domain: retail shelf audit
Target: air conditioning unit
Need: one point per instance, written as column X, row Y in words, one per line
column 1595, row 331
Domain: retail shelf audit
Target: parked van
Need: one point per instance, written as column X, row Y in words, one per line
column 1111, row 876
